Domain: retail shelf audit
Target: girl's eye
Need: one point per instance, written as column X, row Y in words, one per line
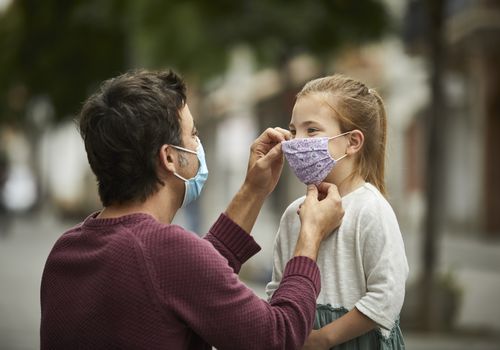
column 311, row 130
column 293, row 132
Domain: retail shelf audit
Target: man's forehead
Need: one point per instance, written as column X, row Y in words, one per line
column 187, row 123
column 186, row 115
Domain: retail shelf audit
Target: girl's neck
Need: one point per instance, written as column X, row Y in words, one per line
column 349, row 185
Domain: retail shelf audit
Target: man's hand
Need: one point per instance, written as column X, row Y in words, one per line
column 320, row 214
column 264, row 170
column 266, row 161
column 322, row 210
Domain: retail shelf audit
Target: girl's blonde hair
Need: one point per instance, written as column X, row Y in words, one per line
column 361, row 108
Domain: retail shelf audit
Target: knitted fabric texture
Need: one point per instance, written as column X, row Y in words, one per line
column 134, row 283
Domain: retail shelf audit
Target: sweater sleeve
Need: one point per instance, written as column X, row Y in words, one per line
column 232, row 242
column 205, row 293
column 385, row 265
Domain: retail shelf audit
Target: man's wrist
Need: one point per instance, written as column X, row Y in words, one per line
column 252, row 193
column 245, row 207
column 307, row 245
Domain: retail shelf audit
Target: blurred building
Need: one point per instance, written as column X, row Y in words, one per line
column 472, row 87
column 246, row 100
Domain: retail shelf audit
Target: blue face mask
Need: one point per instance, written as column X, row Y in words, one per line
column 194, row 185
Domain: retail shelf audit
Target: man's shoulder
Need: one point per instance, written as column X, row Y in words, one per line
column 164, row 241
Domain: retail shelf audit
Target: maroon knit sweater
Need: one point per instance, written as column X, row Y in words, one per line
column 134, row 283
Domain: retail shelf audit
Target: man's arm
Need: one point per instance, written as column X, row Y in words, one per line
column 232, row 242
column 209, row 297
column 230, row 234
column 264, row 169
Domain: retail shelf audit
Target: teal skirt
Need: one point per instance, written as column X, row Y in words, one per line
column 373, row 340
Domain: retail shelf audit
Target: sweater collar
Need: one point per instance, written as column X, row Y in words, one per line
column 93, row 220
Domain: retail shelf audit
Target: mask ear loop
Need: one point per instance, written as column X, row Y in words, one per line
column 340, row 158
column 180, row 177
column 188, row 150
column 185, row 150
column 334, row 137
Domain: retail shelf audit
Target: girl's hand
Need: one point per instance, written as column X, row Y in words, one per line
column 316, row 341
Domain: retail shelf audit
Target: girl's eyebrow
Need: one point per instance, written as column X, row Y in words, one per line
column 305, row 123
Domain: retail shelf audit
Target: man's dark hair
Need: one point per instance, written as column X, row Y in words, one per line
column 124, row 124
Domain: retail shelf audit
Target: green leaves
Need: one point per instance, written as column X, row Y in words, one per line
column 64, row 49
column 58, row 49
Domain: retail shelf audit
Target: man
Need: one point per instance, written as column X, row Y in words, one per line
column 126, row 278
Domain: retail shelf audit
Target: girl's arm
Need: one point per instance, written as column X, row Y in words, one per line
column 278, row 267
column 350, row 326
column 386, row 268
column 282, row 248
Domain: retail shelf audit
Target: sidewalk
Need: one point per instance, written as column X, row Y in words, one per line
column 22, row 257
column 474, row 265
column 443, row 342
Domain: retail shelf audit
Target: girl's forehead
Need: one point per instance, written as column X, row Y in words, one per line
column 313, row 108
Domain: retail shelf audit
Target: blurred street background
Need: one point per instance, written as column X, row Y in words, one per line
column 435, row 63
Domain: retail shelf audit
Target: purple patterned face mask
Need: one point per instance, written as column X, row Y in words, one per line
column 309, row 158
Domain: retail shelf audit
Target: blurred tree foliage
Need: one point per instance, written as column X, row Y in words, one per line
column 63, row 49
column 58, row 49
column 195, row 35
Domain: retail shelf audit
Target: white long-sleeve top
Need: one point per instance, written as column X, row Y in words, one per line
column 363, row 263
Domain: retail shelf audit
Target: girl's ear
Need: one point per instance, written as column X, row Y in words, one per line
column 167, row 158
column 355, row 141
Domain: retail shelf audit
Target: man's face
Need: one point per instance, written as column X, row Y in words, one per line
column 189, row 136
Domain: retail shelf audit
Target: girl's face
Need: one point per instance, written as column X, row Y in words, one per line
column 312, row 117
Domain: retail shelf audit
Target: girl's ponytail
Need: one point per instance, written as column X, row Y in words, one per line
column 377, row 175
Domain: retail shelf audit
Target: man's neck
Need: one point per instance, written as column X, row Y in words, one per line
column 158, row 206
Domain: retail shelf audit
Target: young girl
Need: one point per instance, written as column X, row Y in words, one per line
column 339, row 130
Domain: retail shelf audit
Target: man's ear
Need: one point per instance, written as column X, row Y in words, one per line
column 355, row 141
column 168, row 158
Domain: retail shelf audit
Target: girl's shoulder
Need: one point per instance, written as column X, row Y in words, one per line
column 367, row 201
column 294, row 206
column 290, row 216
